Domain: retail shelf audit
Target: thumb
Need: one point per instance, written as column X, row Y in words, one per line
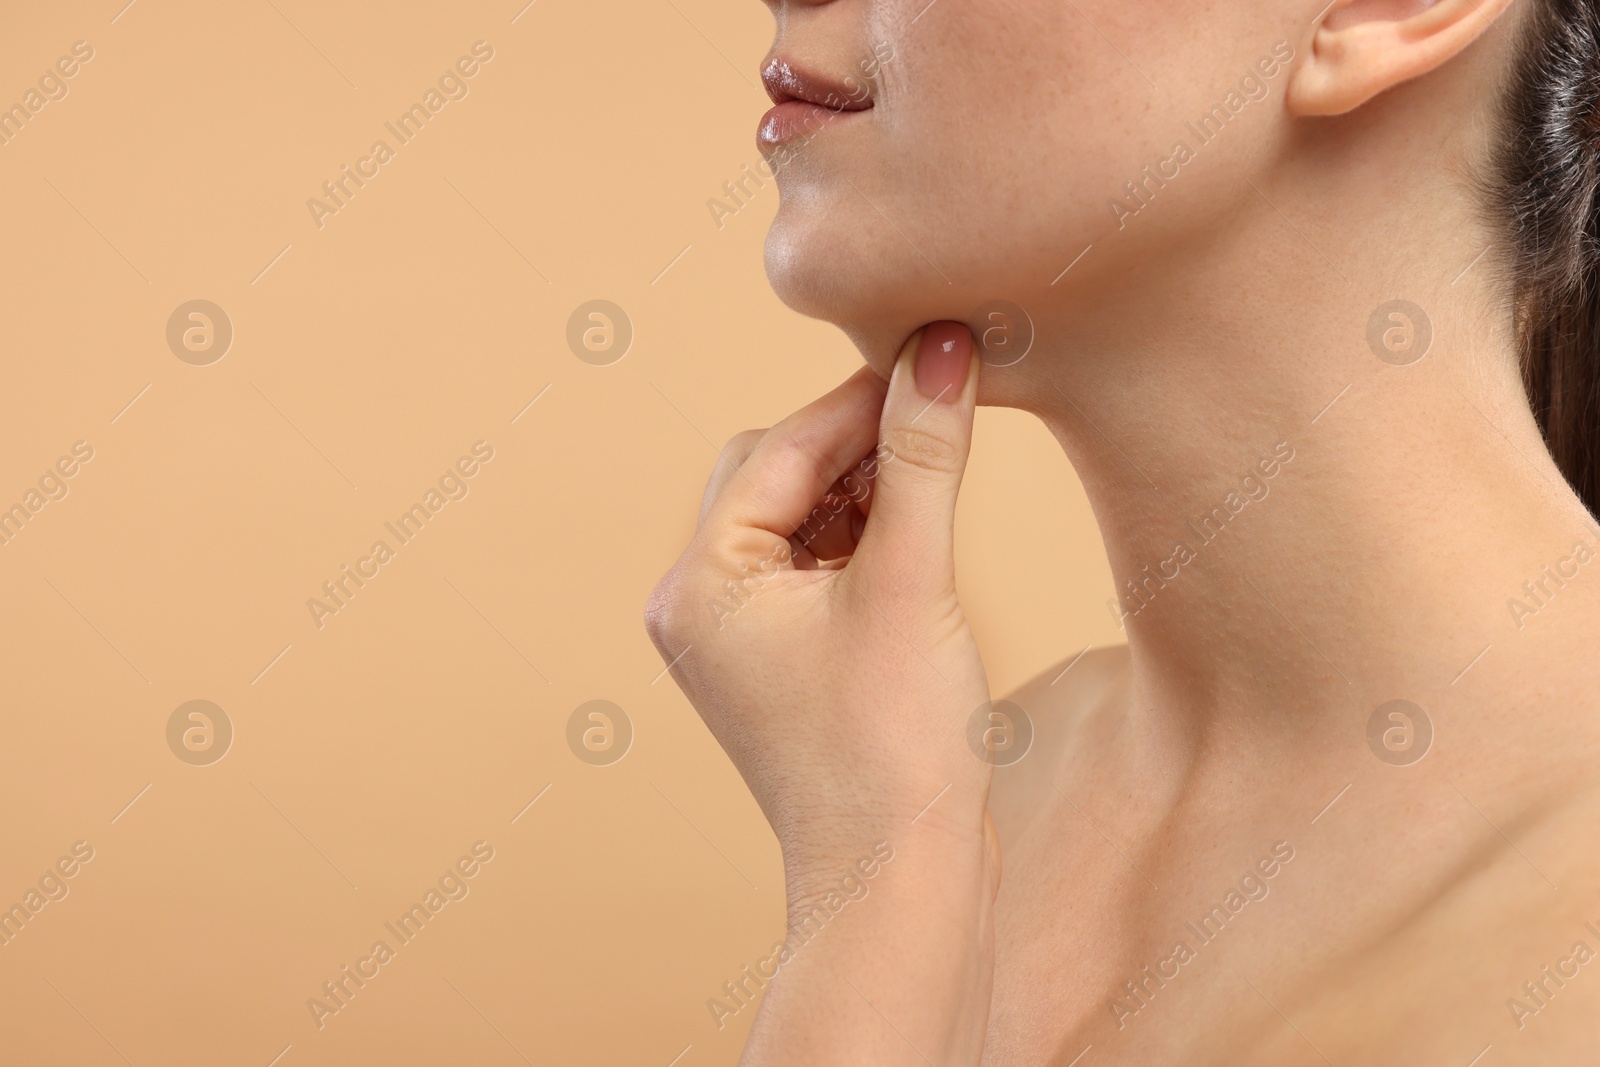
column 924, row 437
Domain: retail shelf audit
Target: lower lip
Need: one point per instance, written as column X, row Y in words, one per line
column 796, row 121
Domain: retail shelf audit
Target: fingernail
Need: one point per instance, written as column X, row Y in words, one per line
column 943, row 357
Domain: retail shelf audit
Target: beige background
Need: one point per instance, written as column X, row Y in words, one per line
column 368, row 355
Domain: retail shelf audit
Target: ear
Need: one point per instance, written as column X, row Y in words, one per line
column 1362, row 47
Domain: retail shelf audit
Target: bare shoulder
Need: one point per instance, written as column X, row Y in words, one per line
column 1046, row 714
column 1066, row 685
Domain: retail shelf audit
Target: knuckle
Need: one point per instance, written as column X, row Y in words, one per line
column 665, row 611
column 741, row 444
column 921, row 448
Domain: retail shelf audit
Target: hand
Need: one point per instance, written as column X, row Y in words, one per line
column 826, row 649
column 813, row 623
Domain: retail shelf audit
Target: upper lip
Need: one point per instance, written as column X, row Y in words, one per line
column 785, row 82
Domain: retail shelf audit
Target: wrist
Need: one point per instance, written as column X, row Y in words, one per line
column 907, row 933
column 948, row 865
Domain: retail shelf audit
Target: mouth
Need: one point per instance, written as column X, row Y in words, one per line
column 805, row 103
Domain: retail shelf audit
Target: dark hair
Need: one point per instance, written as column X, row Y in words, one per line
column 1544, row 183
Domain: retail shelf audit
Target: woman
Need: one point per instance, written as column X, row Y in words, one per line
column 1286, row 268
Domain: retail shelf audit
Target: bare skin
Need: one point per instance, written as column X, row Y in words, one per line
column 1399, row 930
column 1382, row 518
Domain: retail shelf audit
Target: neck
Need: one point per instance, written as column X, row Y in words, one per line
column 1294, row 525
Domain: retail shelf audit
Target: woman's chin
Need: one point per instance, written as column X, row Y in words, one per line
column 813, row 274
column 876, row 300
column 877, row 294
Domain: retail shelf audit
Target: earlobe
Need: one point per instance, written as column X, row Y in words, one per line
column 1363, row 47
